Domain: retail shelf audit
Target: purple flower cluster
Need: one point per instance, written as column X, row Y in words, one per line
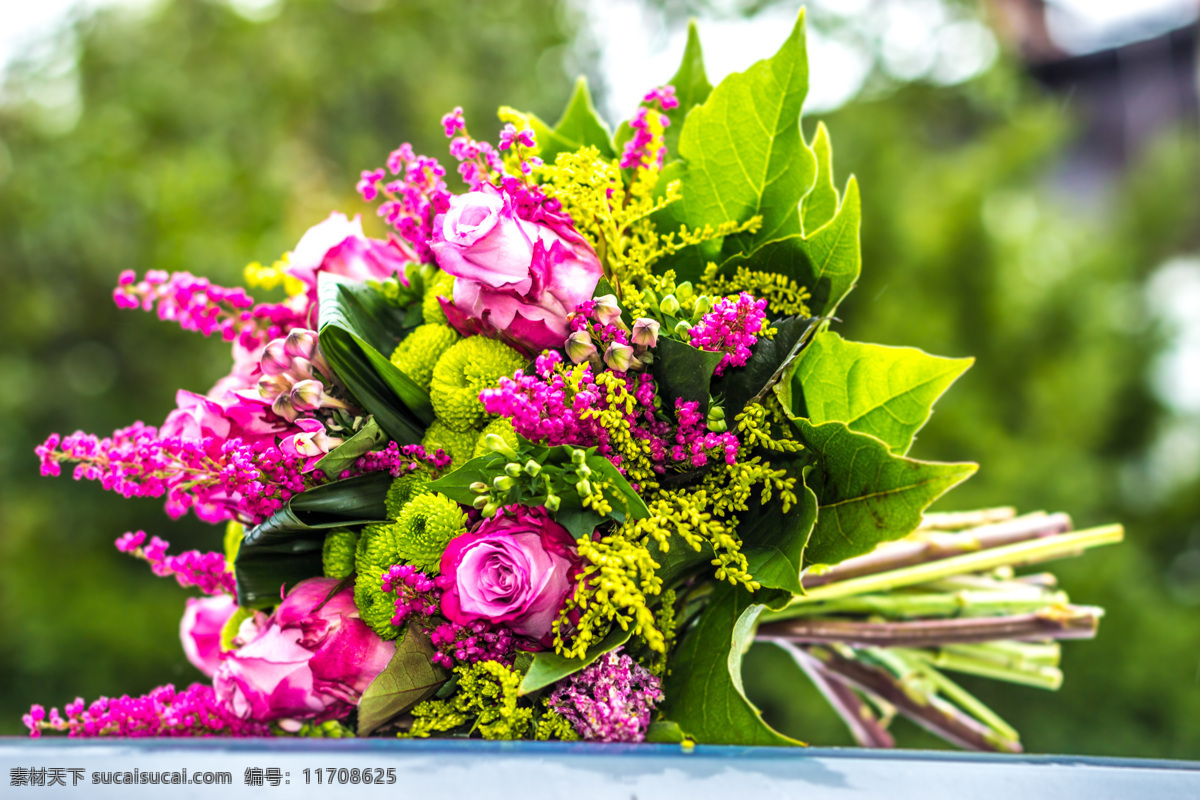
column 218, row 479
column 398, row 460
column 612, row 700
column 419, row 599
column 207, row 571
column 730, row 328
column 637, row 150
column 412, row 202
column 163, row 712
column 545, row 410
column 476, row 160
column 199, row 305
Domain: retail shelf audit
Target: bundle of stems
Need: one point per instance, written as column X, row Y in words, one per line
column 877, row 633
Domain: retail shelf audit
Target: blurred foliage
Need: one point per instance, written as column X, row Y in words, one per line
column 200, row 140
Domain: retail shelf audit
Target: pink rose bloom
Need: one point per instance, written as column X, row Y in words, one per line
column 195, row 417
column 339, row 246
column 200, row 630
column 311, row 659
column 516, row 568
column 516, row 277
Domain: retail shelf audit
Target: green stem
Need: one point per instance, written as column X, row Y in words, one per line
column 1025, row 674
column 940, row 604
column 956, row 694
column 958, row 520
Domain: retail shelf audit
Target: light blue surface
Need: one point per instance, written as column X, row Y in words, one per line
column 432, row 770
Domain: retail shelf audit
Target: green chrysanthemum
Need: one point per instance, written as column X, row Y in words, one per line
column 425, row 527
column 459, row 445
column 338, row 554
column 463, row 371
column 405, row 488
column 500, row 426
column 375, row 553
column 442, row 285
column 420, row 351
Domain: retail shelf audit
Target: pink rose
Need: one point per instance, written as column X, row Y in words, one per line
column 311, row 659
column 516, row 568
column 517, row 277
column 338, row 246
column 200, row 630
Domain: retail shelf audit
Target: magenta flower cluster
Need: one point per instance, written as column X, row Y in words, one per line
column 732, row 328
column 197, row 304
column 207, row 571
column 612, row 700
column 418, row 599
column 637, row 149
column 398, row 460
column 545, row 410
column 411, row 202
column 163, row 712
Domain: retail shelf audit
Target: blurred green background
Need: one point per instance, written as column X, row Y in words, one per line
column 1000, row 221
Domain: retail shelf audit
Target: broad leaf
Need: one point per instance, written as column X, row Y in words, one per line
column 578, row 127
column 358, row 331
column 286, row 548
column 548, row 667
column 680, row 560
column 827, row 263
column 822, row 202
column 768, row 363
column 887, row 392
column 341, row 458
column 743, row 155
column 773, row 541
column 867, row 494
column 409, row 678
column 682, row 372
column 691, row 87
column 704, row 693
column 665, row 732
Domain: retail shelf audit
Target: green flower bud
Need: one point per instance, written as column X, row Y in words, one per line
column 578, row 457
column 502, row 483
column 553, row 501
column 685, row 292
column 497, row 444
column 584, row 487
column 481, row 501
column 669, row 305
column 532, row 467
column 701, row 307
column 681, row 329
column 479, row 487
column 512, row 469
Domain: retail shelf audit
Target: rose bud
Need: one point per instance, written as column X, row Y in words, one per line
column 200, row 630
column 301, row 343
column 645, row 332
column 311, row 660
column 619, row 356
column 514, row 569
column 607, row 310
column 579, row 347
column 275, row 360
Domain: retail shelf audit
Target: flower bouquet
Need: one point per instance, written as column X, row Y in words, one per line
column 544, row 462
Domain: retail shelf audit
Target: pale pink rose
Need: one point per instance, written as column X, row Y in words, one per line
column 196, row 417
column 339, row 246
column 517, row 278
column 514, row 569
column 310, row 660
column 200, row 630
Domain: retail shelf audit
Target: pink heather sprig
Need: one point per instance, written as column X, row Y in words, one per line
column 612, row 700
column 197, row 304
column 476, row 160
column 398, row 461
column 220, row 480
column 544, row 410
column 412, row 202
column 521, row 142
column 418, row 600
column 637, row 151
column 163, row 712
column 730, row 328
column 209, row 572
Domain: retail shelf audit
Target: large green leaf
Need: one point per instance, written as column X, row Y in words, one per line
column 867, row 494
column 369, row 437
column 827, row 263
column 409, row 678
column 822, row 202
column 773, row 542
column 682, row 372
column 357, row 328
column 769, row 361
column 691, row 87
column 704, row 693
column 547, row 667
column 743, row 155
column 578, row 127
column 286, row 548
column 887, row 392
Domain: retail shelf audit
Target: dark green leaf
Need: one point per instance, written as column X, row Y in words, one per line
column 336, row 461
column 578, row 127
column 549, row 667
column 457, row 484
column 409, row 678
column 867, row 494
column 691, row 87
column 769, row 360
column 773, row 542
column 680, row 560
column 706, row 699
column 887, row 392
column 665, row 732
column 821, row 204
column 357, row 328
column 625, row 499
column 286, row 548
column 682, row 372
